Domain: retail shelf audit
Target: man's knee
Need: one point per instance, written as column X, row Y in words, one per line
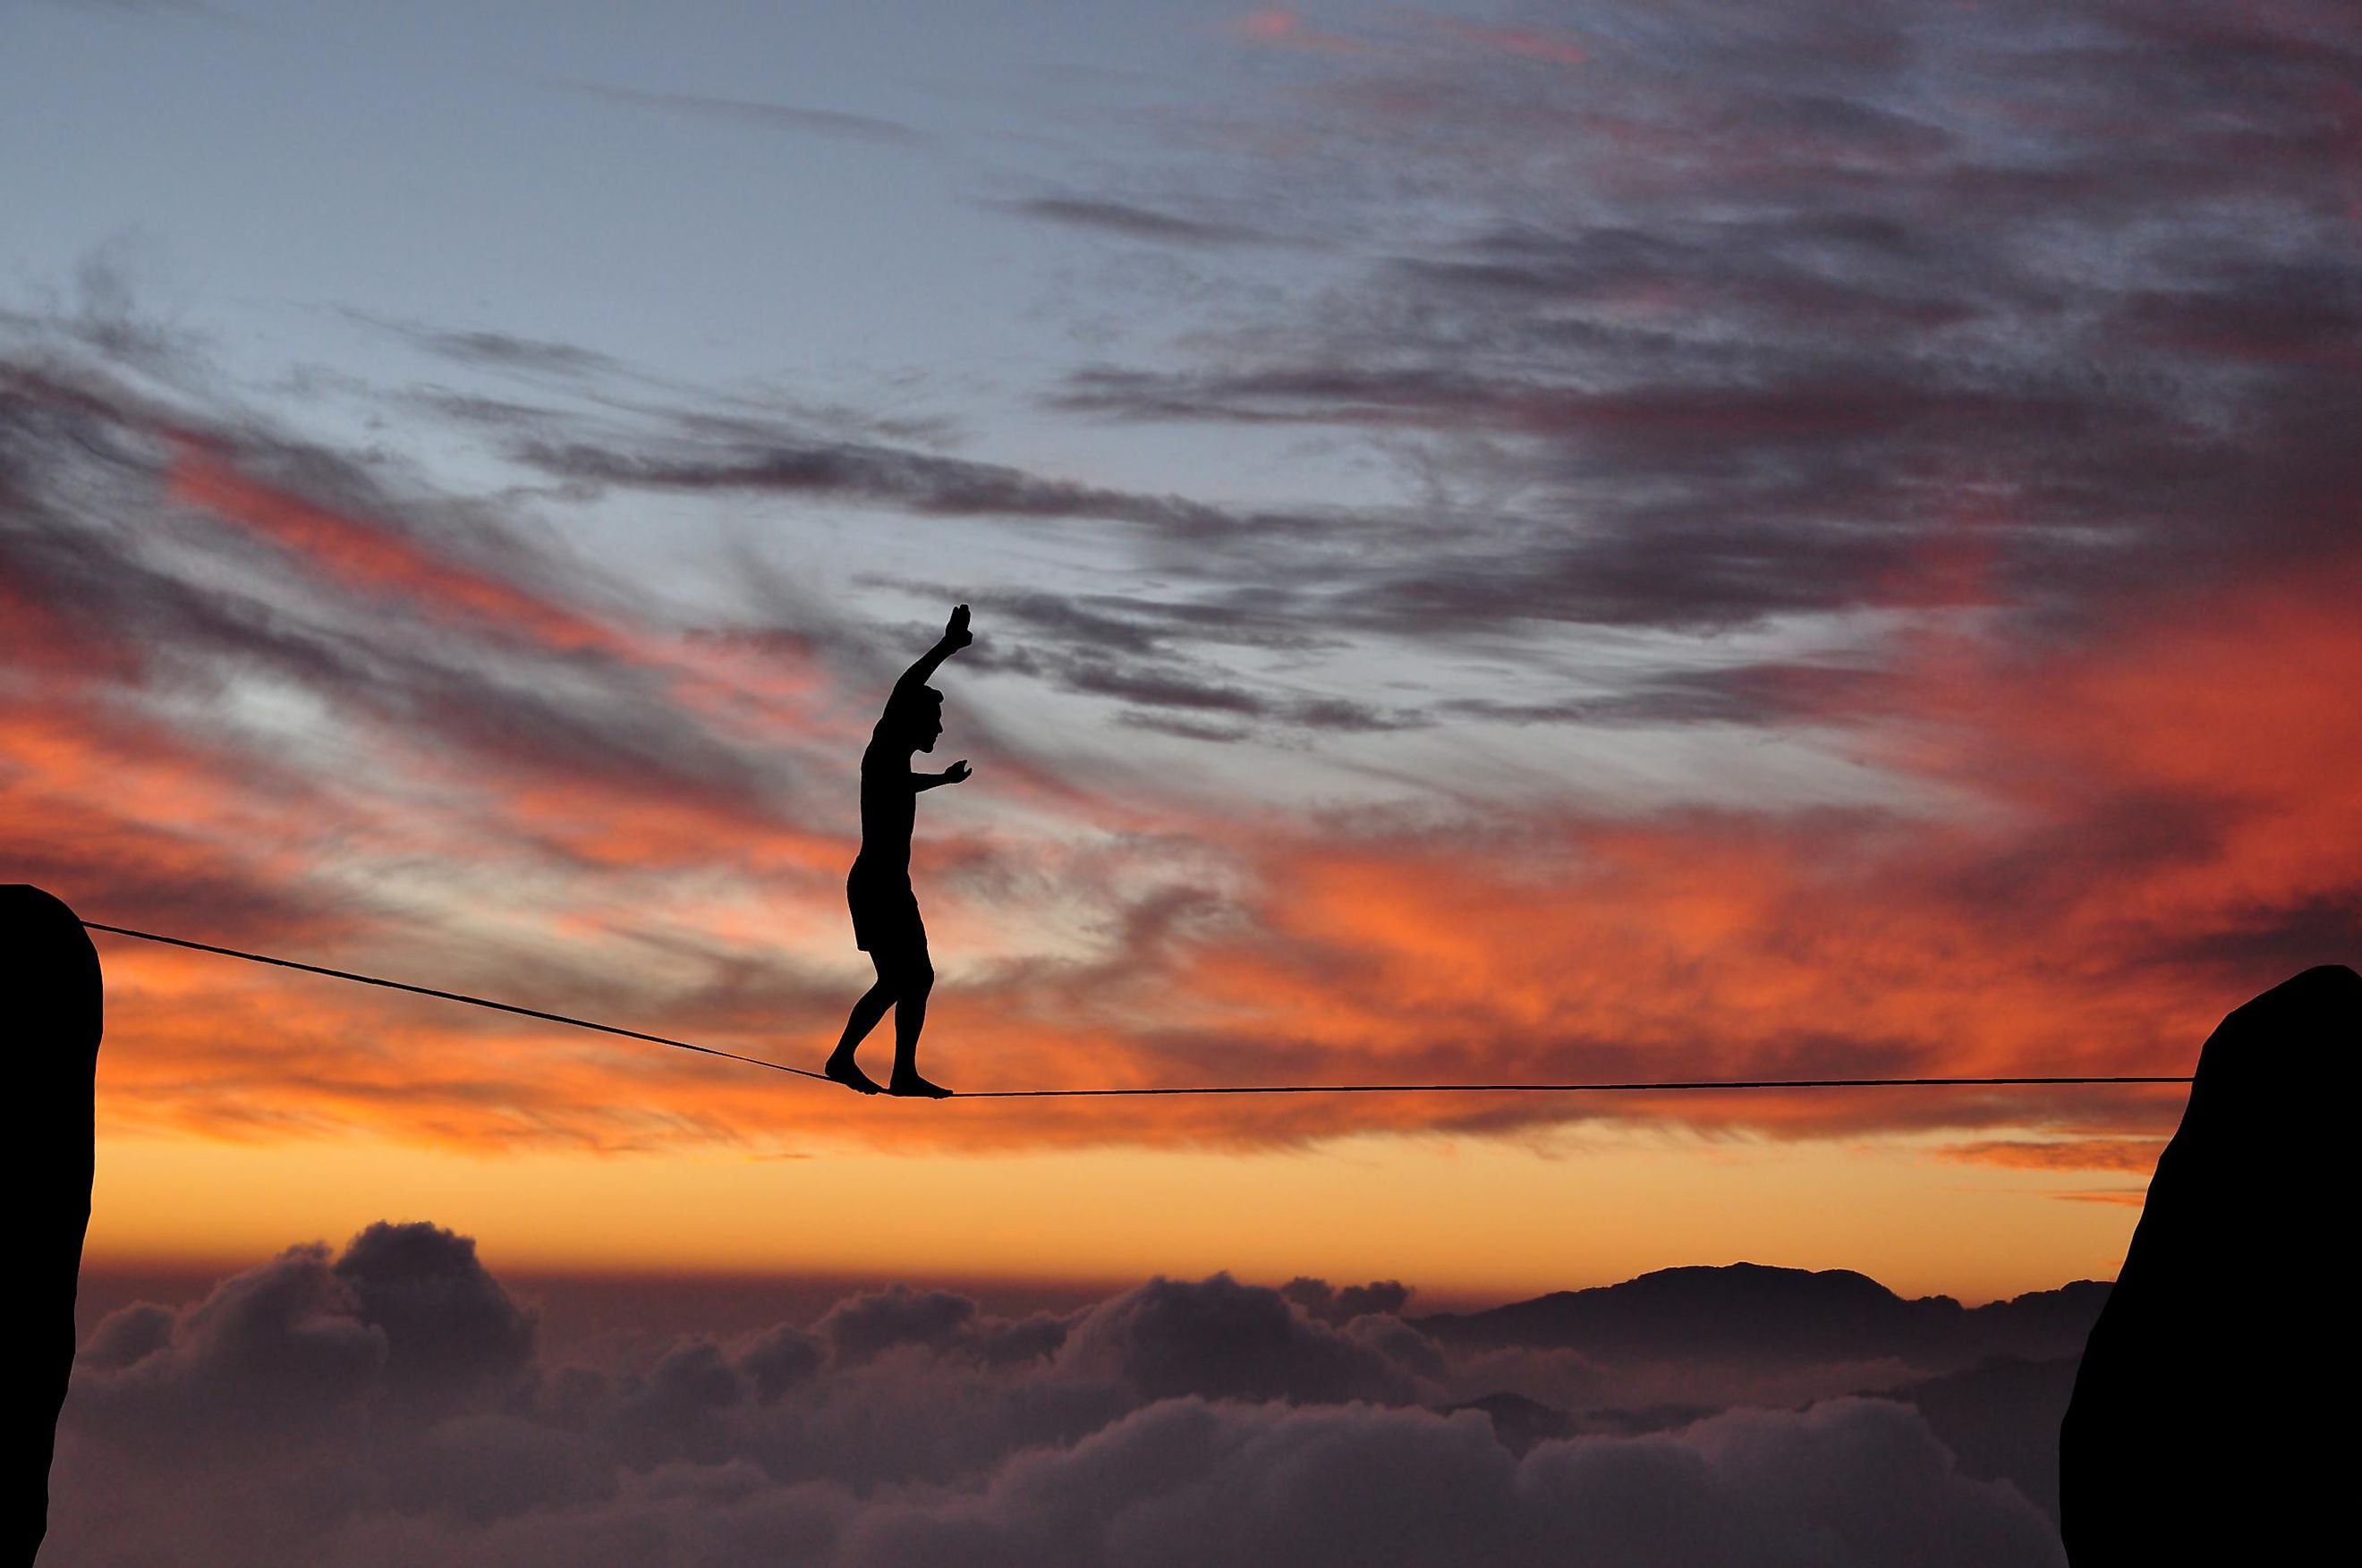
column 913, row 976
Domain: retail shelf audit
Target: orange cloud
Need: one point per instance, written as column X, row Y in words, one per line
column 2124, row 833
column 2138, row 1156
column 373, row 557
column 2115, row 884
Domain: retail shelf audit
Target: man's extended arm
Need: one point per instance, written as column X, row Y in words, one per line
column 954, row 638
column 956, row 774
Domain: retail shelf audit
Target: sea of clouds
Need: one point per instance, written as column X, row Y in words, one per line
column 392, row 1404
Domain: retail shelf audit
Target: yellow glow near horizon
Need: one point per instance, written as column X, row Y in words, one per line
column 1427, row 1209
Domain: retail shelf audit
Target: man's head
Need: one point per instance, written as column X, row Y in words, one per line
column 917, row 722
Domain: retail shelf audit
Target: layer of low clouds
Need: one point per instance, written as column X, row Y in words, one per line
column 391, row 1404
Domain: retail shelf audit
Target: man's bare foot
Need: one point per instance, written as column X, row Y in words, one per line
column 912, row 1086
column 845, row 1071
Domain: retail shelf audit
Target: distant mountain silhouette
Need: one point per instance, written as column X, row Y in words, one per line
column 1748, row 1311
column 2040, row 1324
column 2000, row 1418
column 50, row 1014
column 2186, row 1441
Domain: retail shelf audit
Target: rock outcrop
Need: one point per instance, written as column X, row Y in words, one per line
column 2202, row 1427
column 51, row 1011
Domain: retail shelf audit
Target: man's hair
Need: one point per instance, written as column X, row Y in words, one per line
column 904, row 708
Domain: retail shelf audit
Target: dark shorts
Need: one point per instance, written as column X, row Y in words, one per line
column 885, row 912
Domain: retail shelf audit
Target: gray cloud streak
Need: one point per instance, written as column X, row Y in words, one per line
column 767, row 115
column 1129, row 221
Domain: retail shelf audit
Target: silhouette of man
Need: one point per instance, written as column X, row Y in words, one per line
column 885, row 921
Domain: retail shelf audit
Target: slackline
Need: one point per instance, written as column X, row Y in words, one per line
column 1638, row 1086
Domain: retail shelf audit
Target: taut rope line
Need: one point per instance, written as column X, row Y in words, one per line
column 1628, row 1087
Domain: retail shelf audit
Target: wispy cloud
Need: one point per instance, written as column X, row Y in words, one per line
column 1910, row 398
column 1129, row 221
column 764, row 114
column 1770, row 314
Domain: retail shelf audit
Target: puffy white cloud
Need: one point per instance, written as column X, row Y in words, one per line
column 449, row 1327
column 277, row 1352
column 863, row 1326
column 1224, row 1340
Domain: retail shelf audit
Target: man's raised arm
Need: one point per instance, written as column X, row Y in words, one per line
column 954, row 638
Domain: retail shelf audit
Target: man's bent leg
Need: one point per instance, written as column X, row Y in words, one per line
column 864, row 1018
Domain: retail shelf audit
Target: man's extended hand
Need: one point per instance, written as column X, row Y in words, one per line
column 957, row 772
column 957, row 634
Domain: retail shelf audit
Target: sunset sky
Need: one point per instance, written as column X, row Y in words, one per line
column 1668, row 540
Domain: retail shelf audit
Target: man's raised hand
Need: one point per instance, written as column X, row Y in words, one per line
column 957, row 772
column 957, row 634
